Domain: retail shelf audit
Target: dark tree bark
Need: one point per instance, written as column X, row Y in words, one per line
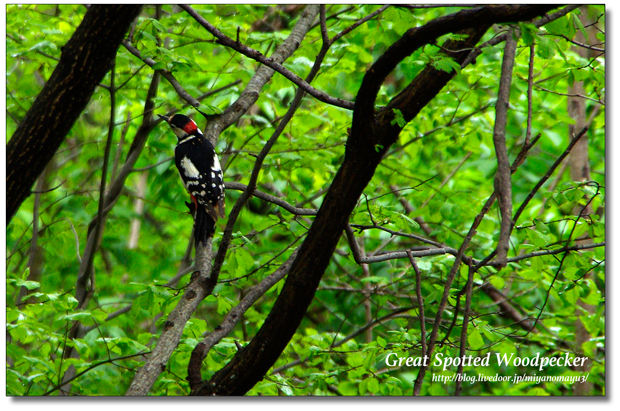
column 371, row 135
column 85, row 60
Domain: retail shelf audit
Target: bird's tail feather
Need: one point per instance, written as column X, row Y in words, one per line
column 204, row 226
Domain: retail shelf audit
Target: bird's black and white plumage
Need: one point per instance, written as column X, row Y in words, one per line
column 201, row 173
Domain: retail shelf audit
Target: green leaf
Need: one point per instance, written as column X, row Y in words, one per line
column 447, row 64
column 158, row 26
column 579, row 24
column 561, row 26
column 398, row 119
column 245, row 261
column 545, row 47
column 149, row 36
column 571, row 78
column 30, row 285
column 381, row 341
column 364, row 387
column 373, row 385
column 474, row 339
column 401, row 19
column 529, row 33
column 541, row 226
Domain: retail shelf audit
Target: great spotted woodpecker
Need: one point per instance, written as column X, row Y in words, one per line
column 201, row 173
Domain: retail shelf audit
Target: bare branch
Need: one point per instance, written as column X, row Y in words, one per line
column 503, row 185
column 550, row 252
column 272, row 199
column 463, row 338
column 602, row 103
column 77, row 241
column 576, row 43
column 418, row 292
column 530, row 84
column 119, row 149
column 357, row 254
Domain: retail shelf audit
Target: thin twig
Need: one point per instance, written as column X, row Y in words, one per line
column 271, row 199
column 418, row 291
column 119, row 149
column 92, row 367
column 463, row 338
column 602, row 103
column 77, row 241
column 530, row 84
column 576, row 43
column 559, row 269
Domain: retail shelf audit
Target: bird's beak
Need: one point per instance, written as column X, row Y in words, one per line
column 165, row 118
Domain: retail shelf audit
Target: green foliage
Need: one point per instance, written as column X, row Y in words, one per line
column 442, row 167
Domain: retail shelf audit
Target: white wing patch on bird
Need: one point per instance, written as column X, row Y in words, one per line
column 216, row 164
column 190, row 169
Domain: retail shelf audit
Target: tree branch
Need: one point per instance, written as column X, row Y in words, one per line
column 418, row 292
column 272, row 199
column 463, row 337
column 503, row 185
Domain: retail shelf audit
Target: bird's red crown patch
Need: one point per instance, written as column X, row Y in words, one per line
column 190, row 127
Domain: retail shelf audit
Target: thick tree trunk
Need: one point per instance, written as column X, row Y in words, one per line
column 85, row 60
